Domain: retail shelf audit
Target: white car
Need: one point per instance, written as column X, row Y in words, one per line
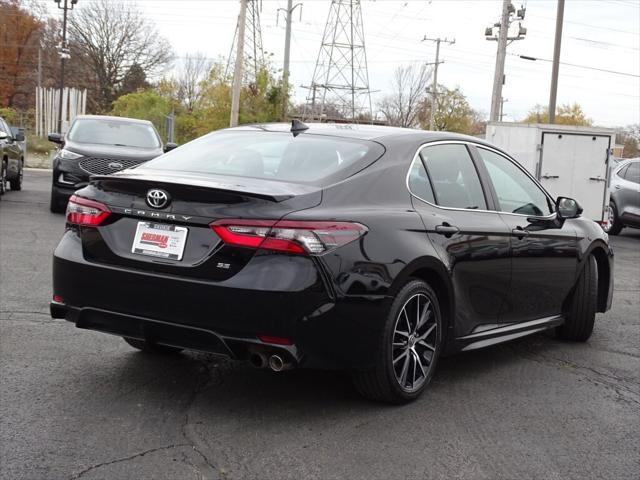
column 624, row 204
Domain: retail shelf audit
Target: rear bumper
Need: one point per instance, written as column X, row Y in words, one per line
column 223, row 317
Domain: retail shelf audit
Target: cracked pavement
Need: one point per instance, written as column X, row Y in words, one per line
column 76, row 404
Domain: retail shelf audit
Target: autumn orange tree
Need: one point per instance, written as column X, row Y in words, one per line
column 20, row 30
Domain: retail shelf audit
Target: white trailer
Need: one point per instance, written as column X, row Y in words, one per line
column 567, row 160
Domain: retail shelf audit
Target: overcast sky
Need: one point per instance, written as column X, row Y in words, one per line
column 602, row 34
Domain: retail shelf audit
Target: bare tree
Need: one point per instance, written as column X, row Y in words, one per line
column 111, row 38
column 402, row 107
column 195, row 69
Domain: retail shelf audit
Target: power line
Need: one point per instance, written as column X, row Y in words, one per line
column 615, row 72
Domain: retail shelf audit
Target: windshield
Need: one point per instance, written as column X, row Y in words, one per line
column 307, row 158
column 114, row 132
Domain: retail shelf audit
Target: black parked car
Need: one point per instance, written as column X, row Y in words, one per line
column 11, row 157
column 99, row 145
column 371, row 249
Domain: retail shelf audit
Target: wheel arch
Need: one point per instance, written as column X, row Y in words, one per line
column 432, row 271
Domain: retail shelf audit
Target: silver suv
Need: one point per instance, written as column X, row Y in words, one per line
column 624, row 206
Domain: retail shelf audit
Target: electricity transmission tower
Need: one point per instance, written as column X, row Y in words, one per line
column 340, row 86
column 253, row 52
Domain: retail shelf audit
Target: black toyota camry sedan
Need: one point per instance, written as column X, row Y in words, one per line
column 370, row 249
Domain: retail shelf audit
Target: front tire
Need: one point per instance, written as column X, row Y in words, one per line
column 16, row 183
column 408, row 350
column 615, row 225
column 578, row 325
column 149, row 347
column 57, row 203
column 3, row 178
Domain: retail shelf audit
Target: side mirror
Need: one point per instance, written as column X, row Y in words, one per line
column 567, row 208
column 19, row 137
column 56, row 138
column 169, row 146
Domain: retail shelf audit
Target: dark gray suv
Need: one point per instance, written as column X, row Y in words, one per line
column 624, row 206
column 12, row 157
column 100, row 145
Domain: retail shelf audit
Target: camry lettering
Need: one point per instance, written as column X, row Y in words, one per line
column 166, row 216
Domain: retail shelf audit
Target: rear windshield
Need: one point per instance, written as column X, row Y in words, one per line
column 114, row 132
column 309, row 159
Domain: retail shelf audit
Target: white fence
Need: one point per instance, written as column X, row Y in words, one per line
column 74, row 103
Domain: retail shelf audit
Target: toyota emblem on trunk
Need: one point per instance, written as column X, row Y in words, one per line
column 157, row 198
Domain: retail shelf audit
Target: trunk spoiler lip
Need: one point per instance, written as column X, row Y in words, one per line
column 260, row 188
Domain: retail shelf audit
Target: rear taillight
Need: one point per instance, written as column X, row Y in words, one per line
column 85, row 212
column 290, row 236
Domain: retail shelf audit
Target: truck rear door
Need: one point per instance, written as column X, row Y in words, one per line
column 576, row 165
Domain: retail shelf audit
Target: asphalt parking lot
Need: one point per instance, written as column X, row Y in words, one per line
column 77, row 404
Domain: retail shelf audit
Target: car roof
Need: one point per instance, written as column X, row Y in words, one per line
column 115, row 119
column 362, row 131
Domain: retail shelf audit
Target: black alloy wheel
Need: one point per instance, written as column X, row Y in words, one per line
column 409, row 349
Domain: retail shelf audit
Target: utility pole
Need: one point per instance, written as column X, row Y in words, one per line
column 503, row 37
column 434, row 88
column 237, row 73
column 556, row 62
column 287, row 51
column 64, row 54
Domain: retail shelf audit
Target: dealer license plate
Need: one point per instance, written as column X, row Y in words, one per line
column 159, row 240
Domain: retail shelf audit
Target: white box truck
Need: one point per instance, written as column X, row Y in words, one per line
column 567, row 160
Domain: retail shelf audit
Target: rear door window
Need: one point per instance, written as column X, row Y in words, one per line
column 453, row 177
column 632, row 174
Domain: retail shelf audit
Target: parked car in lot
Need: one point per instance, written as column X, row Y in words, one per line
column 100, row 145
column 624, row 206
column 370, row 249
column 11, row 156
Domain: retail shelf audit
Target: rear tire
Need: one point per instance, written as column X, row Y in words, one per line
column 615, row 225
column 408, row 350
column 148, row 347
column 16, row 183
column 581, row 315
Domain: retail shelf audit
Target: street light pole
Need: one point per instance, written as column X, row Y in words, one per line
column 64, row 54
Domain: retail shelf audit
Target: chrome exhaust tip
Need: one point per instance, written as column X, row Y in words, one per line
column 277, row 364
column 258, row 360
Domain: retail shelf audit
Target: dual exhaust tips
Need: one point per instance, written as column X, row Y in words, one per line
column 275, row 362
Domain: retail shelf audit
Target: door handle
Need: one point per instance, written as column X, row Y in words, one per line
column 520, row 232
column 446, row 229
column 598, row 179
column 551, row 176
